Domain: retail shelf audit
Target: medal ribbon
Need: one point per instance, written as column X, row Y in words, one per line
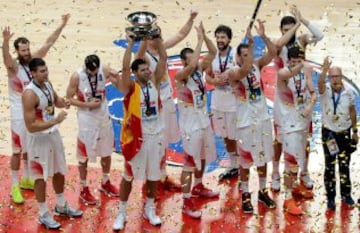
column 27, row 72
column 198, row 81
column 48, row 95
column 223, row 67
column 298, row 86
column 146, row 97
column 93, row 85
column 335, row 101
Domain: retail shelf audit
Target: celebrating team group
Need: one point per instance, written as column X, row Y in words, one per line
column 239, row 114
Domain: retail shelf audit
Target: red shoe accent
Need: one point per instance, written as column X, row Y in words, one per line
column 189, row 208
column 86, row 197
column 109, row 189
column 301, row 190
column 199, row 190
column 291, row 207
column 170, row 185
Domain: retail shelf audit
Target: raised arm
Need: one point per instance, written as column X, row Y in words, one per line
column 124, row 82
column 111, row 75
column 321, row 80
column 241, row 72
column 30, row 101
column 271, row 48
column 206, row 63
column 184, row 31
column 309, row 71
column 52, row 38
column 282, row 41
column 316, row 34
column 9, row 62
column 161, row 66
column 191, row 67
column 285, row 74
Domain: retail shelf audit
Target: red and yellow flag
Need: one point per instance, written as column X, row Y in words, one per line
column 131, row 134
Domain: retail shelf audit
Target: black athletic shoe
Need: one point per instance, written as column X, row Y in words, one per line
column 246, row 203
column 263, row 196
column 229, row 173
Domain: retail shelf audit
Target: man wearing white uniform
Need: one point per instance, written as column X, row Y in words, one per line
column 223, row 102
column 338, row 115
column 142, row 139
column 253, row 124
column 96, row 136
column 45, row 147
column 149, row 52
column 197, row 135
column 294, row 101
column 288, row 27
column 18, row 78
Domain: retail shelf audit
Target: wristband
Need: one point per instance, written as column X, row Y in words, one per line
column 354, row 130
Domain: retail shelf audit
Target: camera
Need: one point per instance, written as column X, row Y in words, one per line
column 142, row 22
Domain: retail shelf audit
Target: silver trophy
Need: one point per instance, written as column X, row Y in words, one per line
column 142, row 22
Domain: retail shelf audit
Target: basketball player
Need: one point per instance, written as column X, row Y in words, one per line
column 96, row 136
column 288, row 28
column 19, row 76
column 142, row 137
column 45, row 147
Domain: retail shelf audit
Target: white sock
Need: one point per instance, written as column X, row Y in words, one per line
column 122, row 206
column 275, row 167
column 105, row 177
column 26, row 169
column 245, row 186
column 186, row 195
column 262, row 182
column 288, row 194
column 149, row 202
column 61, row 201
column 83, row 183
column 197, row 181
column 14, row 177
column 42, row 208
column 234, row 160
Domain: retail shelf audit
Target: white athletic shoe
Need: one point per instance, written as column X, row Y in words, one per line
column 307, row 181
column 47, row 220
column 120, row 220
column 151, row 215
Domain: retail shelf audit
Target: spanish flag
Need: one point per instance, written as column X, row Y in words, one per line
column 131, row 134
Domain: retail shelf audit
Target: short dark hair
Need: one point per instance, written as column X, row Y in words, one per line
column 35, row 63
column 224, row 29
column 20, row 40
column 240, row 47
column 92, row 62
column 296, row 52
column 287, row 20
column 136, row 63
column 185, row 51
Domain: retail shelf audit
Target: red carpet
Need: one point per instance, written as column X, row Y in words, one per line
column 219, row 215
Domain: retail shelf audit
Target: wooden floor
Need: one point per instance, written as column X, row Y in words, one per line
column 219, row 215
column 94, row 25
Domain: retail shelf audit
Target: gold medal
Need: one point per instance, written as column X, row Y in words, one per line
column 335, row 117
column 252, row 96
column 300, row 100
column 148, row 112
column 50, row 109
